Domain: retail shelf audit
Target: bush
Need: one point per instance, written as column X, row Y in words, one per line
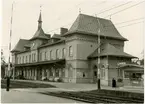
column 120, row 80
column 59, row 80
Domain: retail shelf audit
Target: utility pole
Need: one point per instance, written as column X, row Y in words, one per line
column 9, row 63
column 99, row 30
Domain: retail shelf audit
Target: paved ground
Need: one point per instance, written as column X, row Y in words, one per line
column 31, row 95
column 17, row 96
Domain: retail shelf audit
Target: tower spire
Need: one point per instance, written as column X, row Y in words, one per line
column 40, row 20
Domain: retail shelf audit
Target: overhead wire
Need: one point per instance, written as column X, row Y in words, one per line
column 70, row 23
column 113, row 8
column 125, row 9
column 125, row 21
column 106, row 16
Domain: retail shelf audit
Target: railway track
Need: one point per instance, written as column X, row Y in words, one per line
column 93, row 97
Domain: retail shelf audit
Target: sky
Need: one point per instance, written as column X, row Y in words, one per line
column 62, row 13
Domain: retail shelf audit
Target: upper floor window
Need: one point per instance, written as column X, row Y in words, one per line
column 57, row 53
column 40, row 56
column 23, row 59
column 45, row 55
column 63, row 52
column 29, row 58
column 20, row 61
column 51, row 54
column 26, row 59
column 70, row 51
column 34, row 57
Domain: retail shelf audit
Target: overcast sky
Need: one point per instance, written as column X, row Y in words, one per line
column 62, row 13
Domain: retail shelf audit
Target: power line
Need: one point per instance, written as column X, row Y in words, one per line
column 126, row 21
column 114, row 7
column 125, row 9
column 130, row 24
column 70, row 23
column 100, row 12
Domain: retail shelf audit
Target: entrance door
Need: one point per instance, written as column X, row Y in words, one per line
column 95, row 76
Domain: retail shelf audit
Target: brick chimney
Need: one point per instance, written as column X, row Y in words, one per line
column 63, row 30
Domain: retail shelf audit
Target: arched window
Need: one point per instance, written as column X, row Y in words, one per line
column 70, row 51
column 63, row 52
column 57, row 53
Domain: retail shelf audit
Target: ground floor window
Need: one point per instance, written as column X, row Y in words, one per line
column 51, row 73
column 126, row 75
column 57, row 72
column 63, row 73
column 45, row 72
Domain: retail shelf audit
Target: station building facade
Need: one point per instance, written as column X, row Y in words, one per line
column 73, row 54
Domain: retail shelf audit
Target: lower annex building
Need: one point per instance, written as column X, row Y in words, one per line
column 72, row 55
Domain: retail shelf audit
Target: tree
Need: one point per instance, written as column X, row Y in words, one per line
column 2, row 64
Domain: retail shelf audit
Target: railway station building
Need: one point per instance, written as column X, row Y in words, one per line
column 72, row 55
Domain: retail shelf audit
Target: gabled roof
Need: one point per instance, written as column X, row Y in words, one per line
column 20, row 45
column 109, row 50
column 86, row 24
column 39, row 35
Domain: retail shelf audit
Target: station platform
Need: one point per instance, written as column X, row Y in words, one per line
column 79, row 87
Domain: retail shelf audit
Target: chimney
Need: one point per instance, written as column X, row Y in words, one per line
column 63, row 30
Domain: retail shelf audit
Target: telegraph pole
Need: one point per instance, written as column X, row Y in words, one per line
column 99, row 30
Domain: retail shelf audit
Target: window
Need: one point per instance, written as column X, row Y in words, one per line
column 63, row 73
column 51, row 73
column 63, row 52
column 20, row 61
column 26, row 59
column 83, row 74
column 57, row 72
column 50, row 54
column 29, row 58
column 57, row 53
column 126, row 75
column 70, row 51
column 45, row 55
column 17, row 60
column 40, row 56
column 34, row 57
column 23, row 59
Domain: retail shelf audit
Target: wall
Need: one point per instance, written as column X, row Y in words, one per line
column 52, row 48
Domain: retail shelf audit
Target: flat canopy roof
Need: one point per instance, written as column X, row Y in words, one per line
column 40, row 63
column 132, row 68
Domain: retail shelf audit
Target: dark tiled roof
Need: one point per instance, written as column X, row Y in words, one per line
column 39, row 35
column 109, row 50
column 20, row 45
column 86, row 24
column 57, row 36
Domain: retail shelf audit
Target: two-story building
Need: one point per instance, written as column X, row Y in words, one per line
column 73, row 54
